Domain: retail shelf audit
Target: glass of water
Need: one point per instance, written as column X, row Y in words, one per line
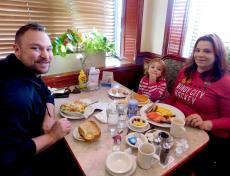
column 122, row 115
column 112, row 118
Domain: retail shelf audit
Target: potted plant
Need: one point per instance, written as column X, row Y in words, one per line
column 95, row 42
column 88, row 48
column 68, row 42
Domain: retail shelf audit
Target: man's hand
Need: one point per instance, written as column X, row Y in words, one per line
column 48, row 123
column 60, row 128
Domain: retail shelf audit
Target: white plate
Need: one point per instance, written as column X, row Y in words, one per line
column 126, row 174
column 117, row 94
column 141, row 136
column 76, row 134
column 87, row 112
column 141, row 130
column 175, row 111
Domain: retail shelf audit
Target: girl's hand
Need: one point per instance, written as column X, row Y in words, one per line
column 152, row 77
column 194, row 120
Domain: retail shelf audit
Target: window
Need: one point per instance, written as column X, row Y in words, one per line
column 206, row 17
column 57, row 16
column 191, row 19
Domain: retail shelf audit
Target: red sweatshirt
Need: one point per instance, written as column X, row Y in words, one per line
column 210, row 100
column 155, row 91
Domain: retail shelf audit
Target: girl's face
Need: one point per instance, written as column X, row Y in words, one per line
column 156, row 69
column 204, row 56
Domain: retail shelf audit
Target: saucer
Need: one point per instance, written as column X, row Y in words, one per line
column 140, row 130
column 154, row 133
column 131, row 172
column 76, row 134
column 142, row 137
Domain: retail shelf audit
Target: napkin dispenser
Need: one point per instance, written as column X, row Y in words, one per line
column 93, row 78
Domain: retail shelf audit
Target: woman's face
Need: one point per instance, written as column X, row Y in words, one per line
column 155, row 69
column 204, row 56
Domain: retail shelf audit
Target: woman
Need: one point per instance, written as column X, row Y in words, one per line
column 202, row 92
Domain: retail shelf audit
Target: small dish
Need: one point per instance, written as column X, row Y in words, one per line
column 118, row 92
column 141, row 130
column 130, row 173
column 142, row 139
column 138, row 122
column 76, row 134
column 119, row 162
column 154, row 133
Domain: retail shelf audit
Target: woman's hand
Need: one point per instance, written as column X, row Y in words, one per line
column 206, row 125
column 195, row 120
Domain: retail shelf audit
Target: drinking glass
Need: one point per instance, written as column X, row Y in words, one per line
column 122, row 115
column 112, row 118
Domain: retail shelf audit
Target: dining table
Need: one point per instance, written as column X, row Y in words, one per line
column 91, row 156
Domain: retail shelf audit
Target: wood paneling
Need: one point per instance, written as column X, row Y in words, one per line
column 128, row 75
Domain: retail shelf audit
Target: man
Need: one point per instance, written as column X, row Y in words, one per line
column 29, row 133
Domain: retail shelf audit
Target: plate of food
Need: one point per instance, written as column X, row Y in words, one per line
column 118, row 92
column 87, row 131
column 77, row 109
column 160, row 114
column 141, row 99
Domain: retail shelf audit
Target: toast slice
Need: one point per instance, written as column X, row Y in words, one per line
column 89, row 130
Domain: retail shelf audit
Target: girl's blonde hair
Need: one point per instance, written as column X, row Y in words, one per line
column 162, row 63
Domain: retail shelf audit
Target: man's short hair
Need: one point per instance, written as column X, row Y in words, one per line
column 29, row 26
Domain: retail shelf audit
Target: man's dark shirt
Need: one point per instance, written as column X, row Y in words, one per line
column 23, row 98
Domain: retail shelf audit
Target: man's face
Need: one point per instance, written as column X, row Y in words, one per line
column 34, row 50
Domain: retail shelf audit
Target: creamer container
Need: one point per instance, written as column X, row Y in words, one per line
column 132, row 108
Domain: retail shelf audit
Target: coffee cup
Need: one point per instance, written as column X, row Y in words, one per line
column 146, row 156
column 177, row 127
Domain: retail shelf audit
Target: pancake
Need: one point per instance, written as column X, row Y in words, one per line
column 142, row 99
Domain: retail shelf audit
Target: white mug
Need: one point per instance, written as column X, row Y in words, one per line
column 146, row 156
column 177, row 127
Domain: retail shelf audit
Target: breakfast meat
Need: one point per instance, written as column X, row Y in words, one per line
column 156, row 117
column 89, row 130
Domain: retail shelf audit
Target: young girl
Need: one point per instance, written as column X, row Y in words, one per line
column 153, row 84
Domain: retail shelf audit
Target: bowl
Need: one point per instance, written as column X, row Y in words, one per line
column 138, row 122
column 119, row 162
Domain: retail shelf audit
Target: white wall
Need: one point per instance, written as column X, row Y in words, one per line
column 153, row 25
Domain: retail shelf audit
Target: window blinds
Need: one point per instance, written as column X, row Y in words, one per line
column 177, row 27
column 57, row 16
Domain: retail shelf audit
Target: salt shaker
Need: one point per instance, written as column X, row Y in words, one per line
column 164, row 154
column 157, row 144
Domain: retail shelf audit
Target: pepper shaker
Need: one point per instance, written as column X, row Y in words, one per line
column 164, row 154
